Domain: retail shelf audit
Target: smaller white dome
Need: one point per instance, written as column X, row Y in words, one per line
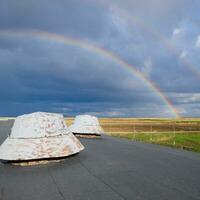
column 87, row 120
column 86, row 124
column 39, row 124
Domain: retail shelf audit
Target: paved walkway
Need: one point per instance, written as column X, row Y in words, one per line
column 108, row 169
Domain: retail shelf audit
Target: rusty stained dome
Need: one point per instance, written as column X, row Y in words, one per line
column 39, row 135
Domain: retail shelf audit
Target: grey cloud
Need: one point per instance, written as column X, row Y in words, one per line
column 38, row 73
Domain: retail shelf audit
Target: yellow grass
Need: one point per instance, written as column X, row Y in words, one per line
column 181, row 133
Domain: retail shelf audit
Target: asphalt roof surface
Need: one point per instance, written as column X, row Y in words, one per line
column 108, row 169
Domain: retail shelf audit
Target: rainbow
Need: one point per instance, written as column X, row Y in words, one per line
column 99, row 51
column 166, row 42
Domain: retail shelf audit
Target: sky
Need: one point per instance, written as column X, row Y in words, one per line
column 109, row 58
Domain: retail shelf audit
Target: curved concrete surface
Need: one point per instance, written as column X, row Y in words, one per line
column 108, row 169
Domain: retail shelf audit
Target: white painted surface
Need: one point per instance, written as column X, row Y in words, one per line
column 86, row 124
column 39, row 124
column 39, row 135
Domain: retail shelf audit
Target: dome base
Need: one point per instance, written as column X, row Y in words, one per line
column 36, row 161
column 87, row 135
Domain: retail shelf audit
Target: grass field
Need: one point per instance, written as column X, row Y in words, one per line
column 183, row 133
column 6, row 118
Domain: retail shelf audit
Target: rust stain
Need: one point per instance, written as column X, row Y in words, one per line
column 52, row 143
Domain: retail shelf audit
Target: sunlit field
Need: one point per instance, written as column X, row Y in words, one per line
column 6, row 118
column 181, row 133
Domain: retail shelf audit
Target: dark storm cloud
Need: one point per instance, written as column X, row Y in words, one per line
column 64, row 74
column 81, row 18
column 38, row 74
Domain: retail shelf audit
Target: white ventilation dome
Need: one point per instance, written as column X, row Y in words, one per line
column 86, row 124
column 39, row 135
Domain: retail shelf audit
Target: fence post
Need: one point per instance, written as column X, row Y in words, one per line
column 151, row 137
column 174, row 135
column 133, row 131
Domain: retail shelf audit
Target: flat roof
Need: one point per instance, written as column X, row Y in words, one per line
column 108, row 169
